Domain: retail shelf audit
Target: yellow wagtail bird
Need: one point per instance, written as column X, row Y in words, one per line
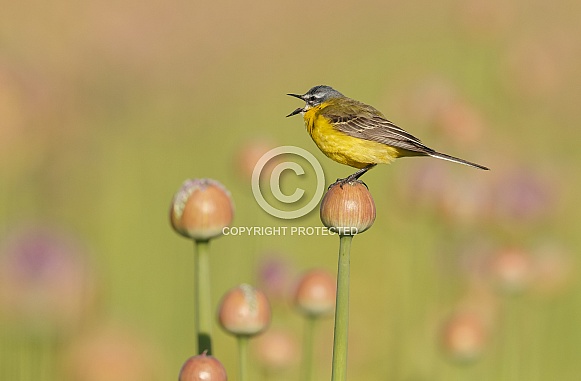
column 358, row 135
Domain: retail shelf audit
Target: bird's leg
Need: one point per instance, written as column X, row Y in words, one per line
column 353, row 177
column 359, row 173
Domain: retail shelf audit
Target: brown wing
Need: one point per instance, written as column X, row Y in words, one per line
column 364, row 122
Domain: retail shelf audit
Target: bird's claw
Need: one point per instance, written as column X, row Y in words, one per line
column 347, row 180
column 341, row 182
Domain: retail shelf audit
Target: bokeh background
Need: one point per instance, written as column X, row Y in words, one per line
column 106, row 107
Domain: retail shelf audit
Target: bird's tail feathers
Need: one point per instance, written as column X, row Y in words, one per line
column 443, row 156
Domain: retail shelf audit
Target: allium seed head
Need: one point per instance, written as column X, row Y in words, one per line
column 244, row 311
column 315, row 293
column 203, row 368
column 464, row 336
column 277, row 349
column 348, row 209
column 201, row 209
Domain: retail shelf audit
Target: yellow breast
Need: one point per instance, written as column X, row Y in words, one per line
column 342, row 148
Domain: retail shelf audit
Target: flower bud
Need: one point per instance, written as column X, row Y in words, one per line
column 244, row 311
column 348, row 209
column 524, row 196
column 512, row 270
column 46, row 280
column 275, row 276
column 424, row 185
column 553, row 268
column 201, row 209
column 203, row 368
column 250, row 154
column 315, row 294
column 277, row 349
column 111, row 353
column 460, row 121
column 467, row 202
column 464, row 336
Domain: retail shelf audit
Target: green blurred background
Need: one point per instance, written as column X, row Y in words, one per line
column 107, row 107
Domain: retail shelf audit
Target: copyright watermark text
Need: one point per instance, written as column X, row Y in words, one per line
column 286, row 230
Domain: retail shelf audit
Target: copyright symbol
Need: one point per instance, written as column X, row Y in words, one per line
column 274, row 182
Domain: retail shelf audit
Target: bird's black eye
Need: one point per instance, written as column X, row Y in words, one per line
column 312, row 98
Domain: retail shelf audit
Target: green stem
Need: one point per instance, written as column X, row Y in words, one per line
column 243, row 357
column 308, row 348
column 342, row 311
column 203, row 298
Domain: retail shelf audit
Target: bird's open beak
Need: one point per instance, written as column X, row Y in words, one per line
column 298, row 110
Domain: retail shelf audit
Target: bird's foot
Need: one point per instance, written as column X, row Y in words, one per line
column 349, row 179
column 339, row 182
column 353, row 177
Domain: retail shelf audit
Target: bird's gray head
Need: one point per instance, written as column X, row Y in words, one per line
column 314, row 97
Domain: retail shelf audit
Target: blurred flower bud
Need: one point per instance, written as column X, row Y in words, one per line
column 244, row 311
column 535, row 68
column 13, row 115
column 425, row 185
column 464, row 336
column 111, row 354
column 31, row 112
column 512, row 270
column 203, row 368
column 484, row 19
column 348, row 209
column 523, row 196
column 250, row 153
column 461, row 122
column 315, row 293
column 553, row 268
column 437, row 102
column 201, row 209
column 274, row 276
column 277, row 349
column 467, row 202
column 45, row 281
column 425, row 100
